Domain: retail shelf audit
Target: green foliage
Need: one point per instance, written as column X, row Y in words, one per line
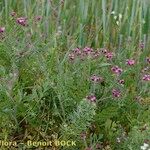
column 79, row 120
column 43, row 93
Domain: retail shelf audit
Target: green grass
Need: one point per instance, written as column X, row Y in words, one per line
column 42, row 92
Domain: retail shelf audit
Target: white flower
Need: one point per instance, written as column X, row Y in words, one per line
column 117, row 22
column 146, row 145
column 115, row 17
column 143, row 148
column 143, row 21
column 113, row 12
column 120, row 16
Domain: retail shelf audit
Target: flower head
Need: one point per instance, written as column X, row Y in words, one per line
column 2, row 29
column 121, row 81
column 130, row 62
column 145, row 146
column 116, row 70
column 91, row 98
column 116, row 93
column 96, row 79
column 146, row 77
column 148, row 59
column 109, row 55
column 87, row 50
column 77, row 51
column 104, row 51
column 95, row 54
column 22, row 21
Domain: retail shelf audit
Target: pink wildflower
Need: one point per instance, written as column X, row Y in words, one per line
column 121, row 81
column 109, row 55
column 2, row 29
column 77, row 51
column 146, row 77
column 116, row 93
column 91, row 98
column 87, row 50
column 116, row 70
column 130, row 62
column 95, row 54
column 96, row 79
column 22, row 21
column 104, row 51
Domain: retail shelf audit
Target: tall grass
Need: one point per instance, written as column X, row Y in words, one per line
column 86, row 19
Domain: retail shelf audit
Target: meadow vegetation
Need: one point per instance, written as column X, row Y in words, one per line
column 75, row 70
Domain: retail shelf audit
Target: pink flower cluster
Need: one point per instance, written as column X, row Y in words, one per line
column 83, row 53
column 109, row 55
column 116, row 70
column 130, row 62
column 91, row 98
column 87, row 50
column 22, row 21
column 146, row 77
column 2, row 29
column 116, row 93
column 96, row 79
column 121, row 81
